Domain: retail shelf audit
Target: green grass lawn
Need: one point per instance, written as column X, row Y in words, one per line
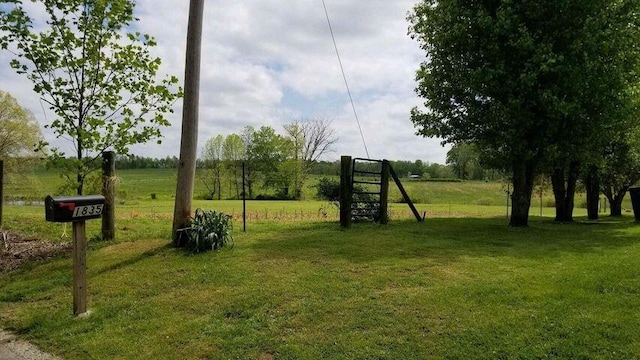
column 447, row 288
column 461, row 285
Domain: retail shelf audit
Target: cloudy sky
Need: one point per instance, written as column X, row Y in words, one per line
column 271, row 62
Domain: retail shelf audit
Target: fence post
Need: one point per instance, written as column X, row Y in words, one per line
column 244, row 202
column 108, row 191
column 384, row 192
column 345, row 192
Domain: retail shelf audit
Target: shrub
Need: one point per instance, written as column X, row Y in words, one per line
column 328, row 189
column 277, row 196
column 208, row 230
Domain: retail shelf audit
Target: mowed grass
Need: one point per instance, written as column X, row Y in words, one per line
column 445, row 288
column 461, row 285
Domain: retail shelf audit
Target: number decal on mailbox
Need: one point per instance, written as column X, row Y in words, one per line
column 87, row 210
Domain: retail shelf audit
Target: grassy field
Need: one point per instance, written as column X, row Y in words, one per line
column 137, row 185
column 461, row 285
column 446, row 288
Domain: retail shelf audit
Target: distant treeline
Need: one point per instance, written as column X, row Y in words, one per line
column 141, row 162
column 403, row 168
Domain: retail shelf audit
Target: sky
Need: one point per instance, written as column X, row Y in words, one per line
column 272, row 62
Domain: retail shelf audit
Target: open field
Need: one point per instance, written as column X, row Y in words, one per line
column 134, row 186
column 460, row 285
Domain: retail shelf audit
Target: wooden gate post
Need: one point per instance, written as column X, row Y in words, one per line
column 384, row 192
column 108, row 191
column 345, row 192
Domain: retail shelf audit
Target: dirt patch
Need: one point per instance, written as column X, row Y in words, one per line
column 16, row 249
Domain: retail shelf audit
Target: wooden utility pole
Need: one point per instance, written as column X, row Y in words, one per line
column 109, row 193
column 189, row 139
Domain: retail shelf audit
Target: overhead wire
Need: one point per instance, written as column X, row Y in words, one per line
column 344, row 77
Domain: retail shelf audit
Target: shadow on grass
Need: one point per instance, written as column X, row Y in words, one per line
column 135, row 259
column 446, row 239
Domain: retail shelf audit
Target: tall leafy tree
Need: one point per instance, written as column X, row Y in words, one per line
column 515, row 78
column 251, row 160
column 19, row 135
column 211, row 160
column 19, row 130
column 599, row 92
column 98, row 78
column 232, row 155
column 268, row 151
column 620, row 168
column 463, row 158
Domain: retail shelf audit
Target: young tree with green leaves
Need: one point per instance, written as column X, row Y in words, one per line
column 99, row 80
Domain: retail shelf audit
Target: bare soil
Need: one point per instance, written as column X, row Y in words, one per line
column 17, row 249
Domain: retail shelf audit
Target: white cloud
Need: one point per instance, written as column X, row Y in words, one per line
column 268, row 62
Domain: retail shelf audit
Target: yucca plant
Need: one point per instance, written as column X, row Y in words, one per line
column 208, row 230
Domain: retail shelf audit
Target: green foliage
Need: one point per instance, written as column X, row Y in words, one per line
column 98, row 80
column 529, row 83
column 19, row 130
column 19, row 136
column 328, row 189
column 465, row 160
column 233, row 154
column 208, row 230
column 211, row 166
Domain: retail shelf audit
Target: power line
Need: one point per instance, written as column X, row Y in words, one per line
column 346, row 83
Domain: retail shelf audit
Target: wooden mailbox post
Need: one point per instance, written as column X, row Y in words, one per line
column 76, row 209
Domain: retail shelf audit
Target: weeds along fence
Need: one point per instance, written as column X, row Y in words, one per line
column 252, row 215
column 329, row 214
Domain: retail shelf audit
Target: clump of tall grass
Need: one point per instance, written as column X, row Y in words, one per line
column 208, row 230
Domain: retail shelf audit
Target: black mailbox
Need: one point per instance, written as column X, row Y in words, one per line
column 73, row 208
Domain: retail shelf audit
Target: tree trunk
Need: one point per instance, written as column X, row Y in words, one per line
column 615, row 201
column 523, row 178
column 564, row 191
column 592, row 185
column 615, row 205
column 235, row 175
column 219, row 181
